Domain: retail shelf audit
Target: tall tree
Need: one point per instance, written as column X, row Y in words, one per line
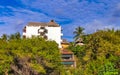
column 34, row 56
column 100, row 55
column 17, row 35
column 78, row 32
column 11, row 37
column 4, row 37
column 14, row 36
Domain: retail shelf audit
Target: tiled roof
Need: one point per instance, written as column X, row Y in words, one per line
column 79, row 40
column 64, row 41
column 64, row 51
column 36, row 24
column 49, row 24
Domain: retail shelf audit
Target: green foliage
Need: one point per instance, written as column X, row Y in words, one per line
column 14, row 36
column 38, row 68
column 4, row 37
column 100, row 54
column 40, row 56
column 78, row 32
column 77, row 50
column 108, row 69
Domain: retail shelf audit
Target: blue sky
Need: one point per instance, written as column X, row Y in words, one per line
column 90, row 14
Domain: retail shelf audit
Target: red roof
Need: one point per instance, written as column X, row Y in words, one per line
column 64, row 51
column 49, row 24
column 64, row 41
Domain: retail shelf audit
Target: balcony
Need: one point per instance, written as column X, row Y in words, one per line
column 68, row 58
column 45, row 31
column 40, row 30
column 42, row 27
column 68, row 62
column 42, row 33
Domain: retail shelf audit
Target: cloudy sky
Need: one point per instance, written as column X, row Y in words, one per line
column 90, row 14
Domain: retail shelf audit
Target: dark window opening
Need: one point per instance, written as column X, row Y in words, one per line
column 46, row 31
column 38, row 30
column 45, row 37
column 42, row 27
column 24, row 30
column 42, row 33
column 66, row 58
column 24, row 36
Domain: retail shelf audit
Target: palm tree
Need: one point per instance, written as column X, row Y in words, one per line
column 78, row 32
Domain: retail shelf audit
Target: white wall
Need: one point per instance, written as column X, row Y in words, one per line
column 54, row 33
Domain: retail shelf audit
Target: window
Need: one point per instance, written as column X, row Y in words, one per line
column 46, row 31
column 24, row 36
column 42, row 33
column 42, row 27
column 45, row 37
column 24, row 30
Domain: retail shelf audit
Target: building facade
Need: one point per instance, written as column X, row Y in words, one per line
column 67, row 56
column 68, row 59
column 49, row 31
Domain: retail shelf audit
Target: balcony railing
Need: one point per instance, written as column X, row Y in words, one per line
column 67, row 62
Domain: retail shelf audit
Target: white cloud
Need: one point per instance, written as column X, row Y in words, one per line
column 90, row 27
column 98, row 25
column 20, row 18
column 90, row 15
column 65, row 9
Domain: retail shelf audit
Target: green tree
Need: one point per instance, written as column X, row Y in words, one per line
column 4, row 37
column 78, row 32
column 100, row 54
column 29, row 56
column 15, row 36
column 108, row 69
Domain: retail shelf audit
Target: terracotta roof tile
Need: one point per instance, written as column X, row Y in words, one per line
column 36, row 24
column 64, row 41
column 49, row 24
column 52, row 24
column 64, row 51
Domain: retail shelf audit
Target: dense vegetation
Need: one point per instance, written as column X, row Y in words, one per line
column 33, row 56
column 100, row 55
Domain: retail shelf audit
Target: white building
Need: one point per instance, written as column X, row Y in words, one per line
column 49, row 31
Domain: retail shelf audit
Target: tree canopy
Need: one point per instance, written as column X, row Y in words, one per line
column 78, row 32
column 100, row 55
column 33, row 56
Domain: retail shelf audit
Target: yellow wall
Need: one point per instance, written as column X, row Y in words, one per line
column 65, row 45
